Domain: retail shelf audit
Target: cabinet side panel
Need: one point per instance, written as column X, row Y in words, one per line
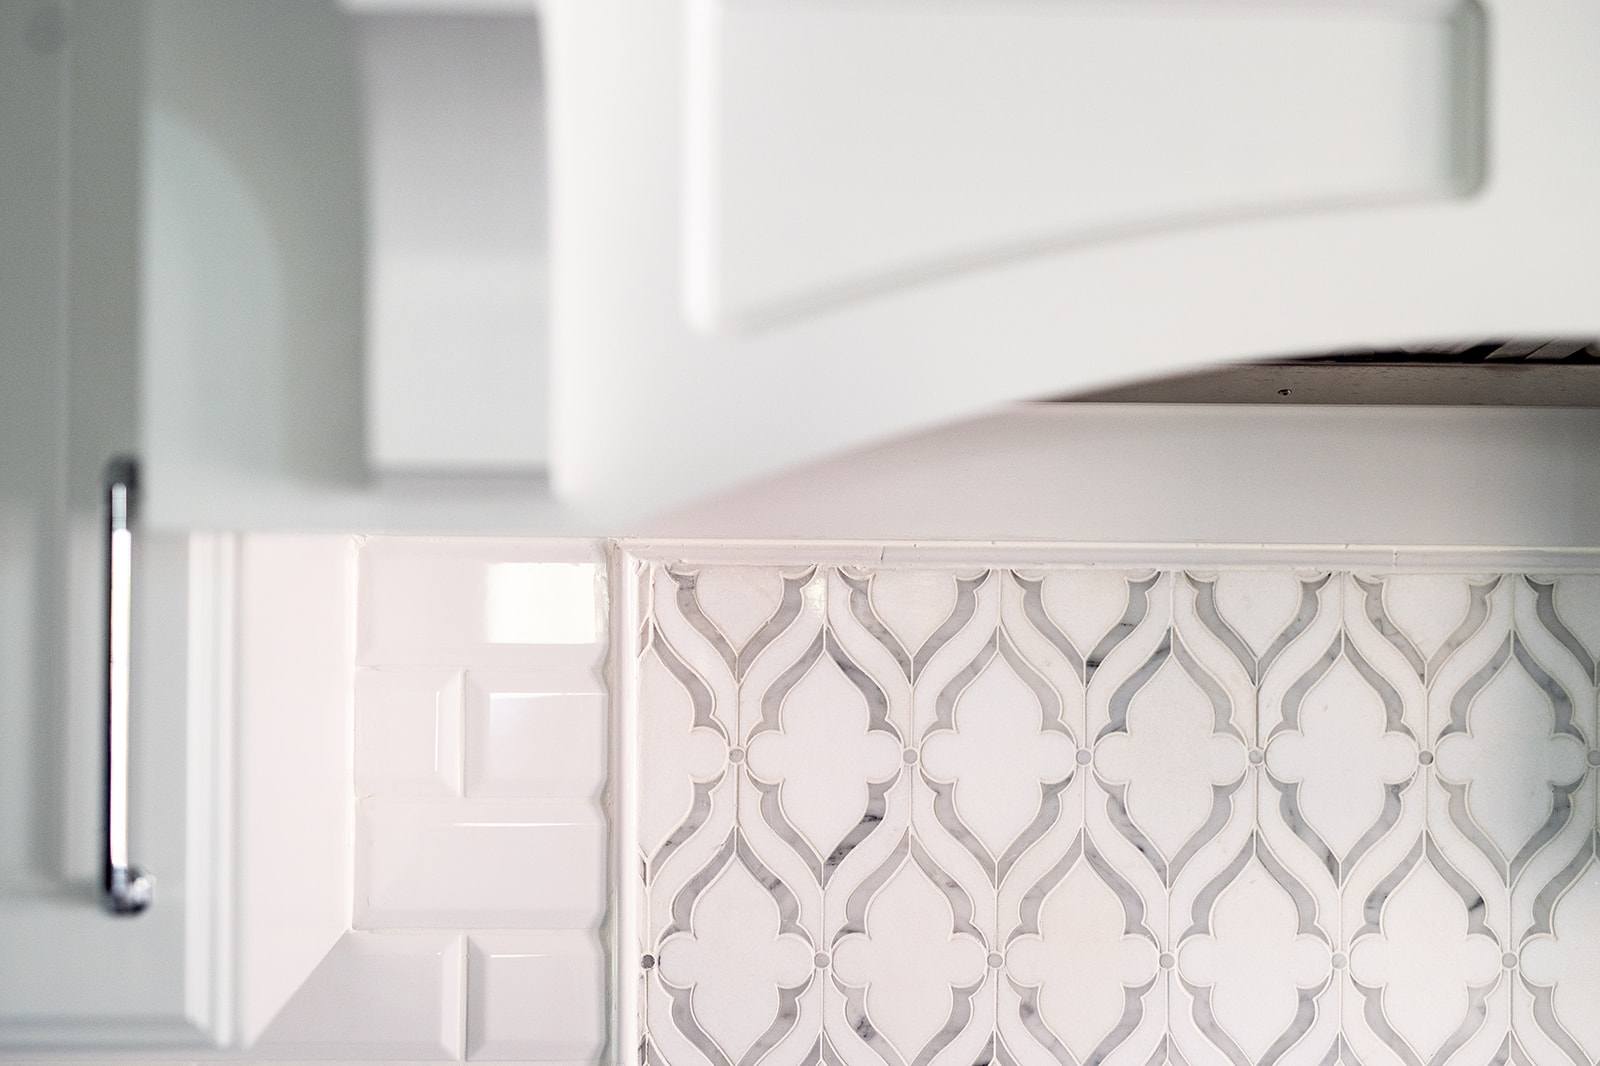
column 295, row 654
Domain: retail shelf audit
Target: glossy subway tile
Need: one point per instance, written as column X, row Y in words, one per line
column 408, row 732
column 392, row 996
column 463, row 602
column 495, row 864
column 524, row 739
column 535, row 997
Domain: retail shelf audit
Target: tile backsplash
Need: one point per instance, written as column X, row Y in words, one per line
column 1023, row 812
column 481, row 755
column 1068, row 815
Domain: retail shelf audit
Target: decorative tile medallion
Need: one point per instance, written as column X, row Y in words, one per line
column 1062, row 816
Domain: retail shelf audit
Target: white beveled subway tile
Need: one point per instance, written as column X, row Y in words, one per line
column 536, row 997
column 480, row 864
column 515, row 604
column 524, row 739
column 389, row 996
column 408, row 732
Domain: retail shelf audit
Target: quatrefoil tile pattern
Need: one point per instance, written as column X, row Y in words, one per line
column 1068, row 815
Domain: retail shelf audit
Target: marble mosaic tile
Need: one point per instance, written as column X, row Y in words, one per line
column 1061, row 816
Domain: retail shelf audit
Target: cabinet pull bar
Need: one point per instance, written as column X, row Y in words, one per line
column 126, row 889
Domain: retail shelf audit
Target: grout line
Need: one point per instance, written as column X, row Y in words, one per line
column 1341, row 934
column 463, row 676
column 1159, row 554
column 625, row 998
column 463, row 1040
column 355, row 551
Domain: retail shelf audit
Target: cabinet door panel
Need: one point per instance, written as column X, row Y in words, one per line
column 333, row 335
column 853, row 148
column 71, row 973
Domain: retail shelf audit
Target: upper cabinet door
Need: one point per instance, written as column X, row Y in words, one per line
column 319, row 260
column 839, row 152
column 71, row 972
column 786, row 227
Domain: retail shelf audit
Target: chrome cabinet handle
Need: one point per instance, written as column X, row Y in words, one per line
column 126, row 890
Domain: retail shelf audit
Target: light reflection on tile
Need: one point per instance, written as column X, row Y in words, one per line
column 540, row 603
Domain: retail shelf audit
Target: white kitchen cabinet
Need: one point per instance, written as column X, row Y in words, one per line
column 545, row 267
column 68, row 969
column 248, row 265
column 224, row 940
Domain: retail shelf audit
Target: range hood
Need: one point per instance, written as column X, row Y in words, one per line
column 1494, row 373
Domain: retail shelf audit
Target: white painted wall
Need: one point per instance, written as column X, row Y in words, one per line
column 1131, row 474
